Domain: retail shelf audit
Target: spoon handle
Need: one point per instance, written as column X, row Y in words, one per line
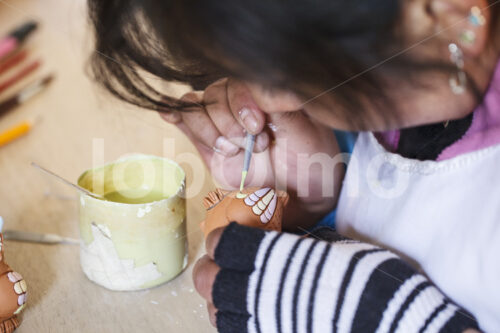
column 79, row 188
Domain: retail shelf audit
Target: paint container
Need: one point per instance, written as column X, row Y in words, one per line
column 136, row 237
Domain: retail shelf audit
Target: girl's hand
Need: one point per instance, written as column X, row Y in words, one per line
column 218, row 131
column 261, row 281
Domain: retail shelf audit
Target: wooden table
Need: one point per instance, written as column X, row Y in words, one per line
column 72, row 115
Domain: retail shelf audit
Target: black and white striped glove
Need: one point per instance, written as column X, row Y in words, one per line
column 278, row 282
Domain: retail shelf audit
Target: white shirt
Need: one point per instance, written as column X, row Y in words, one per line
column 444, row 217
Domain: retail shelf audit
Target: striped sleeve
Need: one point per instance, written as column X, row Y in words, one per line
column 278, row 282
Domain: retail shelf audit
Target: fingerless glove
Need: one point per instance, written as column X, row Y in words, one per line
column 278, row 282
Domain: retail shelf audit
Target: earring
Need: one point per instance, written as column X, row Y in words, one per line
column 458, row 82
column 476, row 17
column 468, row 37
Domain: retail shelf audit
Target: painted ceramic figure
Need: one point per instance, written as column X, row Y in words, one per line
column 254, row 207
column 12, row 294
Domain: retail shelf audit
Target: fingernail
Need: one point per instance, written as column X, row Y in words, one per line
column 261, row 142
column 249, row 120
column 225, row 147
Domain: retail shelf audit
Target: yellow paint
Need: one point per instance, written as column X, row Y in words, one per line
column 14, row 132
column 145, row 213
column 269, row 196
column 19, row 309
column 241, row 195
column 24, row 287
column 133, row 197
column 256, row 210
column 243, row 178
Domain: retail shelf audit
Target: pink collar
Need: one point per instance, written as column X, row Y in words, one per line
column 484, row 131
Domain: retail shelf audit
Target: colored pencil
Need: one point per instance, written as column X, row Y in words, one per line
column 24, row 95
column 13, row 61
column 20, row 75
column 15, row 132
column 15, row 38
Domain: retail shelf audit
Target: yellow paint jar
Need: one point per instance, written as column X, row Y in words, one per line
column 136, row 237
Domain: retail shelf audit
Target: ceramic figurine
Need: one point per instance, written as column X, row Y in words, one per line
column 12, row 294
column 254, row 207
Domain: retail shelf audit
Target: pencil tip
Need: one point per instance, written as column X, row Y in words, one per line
column 48, row 79
column 23, row 31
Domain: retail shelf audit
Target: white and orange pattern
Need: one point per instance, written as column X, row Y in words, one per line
column 20, row 288
column 13, row 294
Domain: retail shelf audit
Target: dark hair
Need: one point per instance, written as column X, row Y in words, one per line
column 304, row 46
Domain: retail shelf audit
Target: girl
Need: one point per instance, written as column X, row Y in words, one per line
column 418, row 78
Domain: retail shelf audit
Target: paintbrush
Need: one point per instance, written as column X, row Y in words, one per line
column 67, row 182
column 25, row 94
column 34, row 237
column 250, row 142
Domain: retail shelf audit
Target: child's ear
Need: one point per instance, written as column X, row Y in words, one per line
column 463, row 22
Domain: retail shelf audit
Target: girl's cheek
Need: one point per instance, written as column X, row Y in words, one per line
column 329, row 118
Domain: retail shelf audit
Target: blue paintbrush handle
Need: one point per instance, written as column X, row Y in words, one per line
column 250, row 140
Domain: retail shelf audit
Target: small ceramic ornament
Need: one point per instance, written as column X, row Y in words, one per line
column 12, row 294
column 253, row 207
